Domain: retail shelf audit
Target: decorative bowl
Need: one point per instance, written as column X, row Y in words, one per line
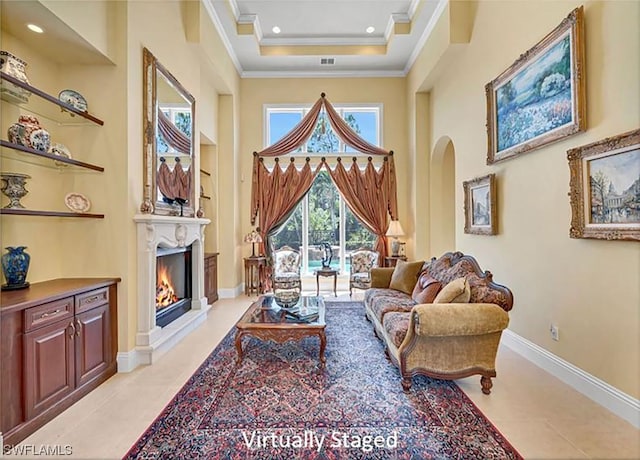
column 286, row 299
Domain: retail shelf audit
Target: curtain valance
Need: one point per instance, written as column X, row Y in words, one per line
column 383, row 180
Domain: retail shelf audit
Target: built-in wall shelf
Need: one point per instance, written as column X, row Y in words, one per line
column 31, row 212
column 30, row 155
column 67, row 112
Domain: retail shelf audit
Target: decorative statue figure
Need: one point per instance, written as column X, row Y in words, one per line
column 328, row 255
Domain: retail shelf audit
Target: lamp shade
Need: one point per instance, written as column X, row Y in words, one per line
column 395, row 229
column 253, row 237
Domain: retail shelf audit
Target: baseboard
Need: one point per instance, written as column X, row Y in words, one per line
column 616, row 401
column 231, row 293
column 127, row 360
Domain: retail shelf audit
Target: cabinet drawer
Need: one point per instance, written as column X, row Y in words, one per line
column 88, row 300
column 47, row 313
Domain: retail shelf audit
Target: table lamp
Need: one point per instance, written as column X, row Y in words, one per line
column 395, row 230
column 253, row 237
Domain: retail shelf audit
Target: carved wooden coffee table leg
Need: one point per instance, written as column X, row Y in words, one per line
column 239, row 335
column 323, row 345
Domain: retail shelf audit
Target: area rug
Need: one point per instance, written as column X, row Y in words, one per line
column 279, row 403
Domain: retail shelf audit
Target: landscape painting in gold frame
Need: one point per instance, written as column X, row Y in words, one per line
column 480, row 214
column 605, row 188
column 540, row 98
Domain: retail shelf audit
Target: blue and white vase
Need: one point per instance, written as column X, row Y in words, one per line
column 28, row 132
column 15, row 265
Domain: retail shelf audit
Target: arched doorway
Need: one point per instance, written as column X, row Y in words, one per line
column 442, row 219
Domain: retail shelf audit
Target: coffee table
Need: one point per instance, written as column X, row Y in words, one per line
column 265, row 320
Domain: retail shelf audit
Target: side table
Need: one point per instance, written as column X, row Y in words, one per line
column 326, row 272
column 390, row 261
column 253, row 269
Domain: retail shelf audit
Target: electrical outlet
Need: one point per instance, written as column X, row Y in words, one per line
column 555, row 333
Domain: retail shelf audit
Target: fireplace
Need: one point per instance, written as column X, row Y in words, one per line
column 173, row 284
column 179, row 243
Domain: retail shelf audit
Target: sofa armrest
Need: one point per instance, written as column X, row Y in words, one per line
column 381, row 277
column 458, row 319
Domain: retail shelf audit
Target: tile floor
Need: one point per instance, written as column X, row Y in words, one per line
column 541, row 416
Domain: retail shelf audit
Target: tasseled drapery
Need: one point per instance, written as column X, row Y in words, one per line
column 300, row 134
column 174, row 184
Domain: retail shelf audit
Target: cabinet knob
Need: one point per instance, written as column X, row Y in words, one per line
column 79, row 327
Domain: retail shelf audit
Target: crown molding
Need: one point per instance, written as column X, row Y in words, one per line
column 208, row 6
column 440, row 8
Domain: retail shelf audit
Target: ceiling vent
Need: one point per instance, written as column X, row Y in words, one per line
column 327, row 61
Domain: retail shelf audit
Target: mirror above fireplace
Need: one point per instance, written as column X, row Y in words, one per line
column 168, row 123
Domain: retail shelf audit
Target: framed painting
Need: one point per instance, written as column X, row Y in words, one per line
column 480, row 216
column 541, row 98
column 605, row 188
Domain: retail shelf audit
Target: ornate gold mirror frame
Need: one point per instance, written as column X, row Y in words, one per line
column 168, row 126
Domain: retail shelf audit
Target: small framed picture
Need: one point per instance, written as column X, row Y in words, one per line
column 480, row 216
column 605, row 188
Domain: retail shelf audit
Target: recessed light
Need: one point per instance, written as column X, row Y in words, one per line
column 371, row 29
column 276, row 30
column 35, row 28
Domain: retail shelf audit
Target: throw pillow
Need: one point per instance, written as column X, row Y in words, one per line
column 426, row 288
column 457, row 291
column 405, row 276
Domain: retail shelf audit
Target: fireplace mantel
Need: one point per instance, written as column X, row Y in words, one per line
column 166, row 232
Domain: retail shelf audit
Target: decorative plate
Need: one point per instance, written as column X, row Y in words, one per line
column 77, row 202
column 74, row 99
column 61, row 151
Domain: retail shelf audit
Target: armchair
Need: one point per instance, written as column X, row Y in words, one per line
column 286, row 269
column 362, row 261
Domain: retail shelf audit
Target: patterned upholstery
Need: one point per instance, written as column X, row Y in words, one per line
column 286, row 269
column 362, row 261
column 389, row 301
column 396, row 324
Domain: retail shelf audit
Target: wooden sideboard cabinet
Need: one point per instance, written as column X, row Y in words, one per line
column 58, row 342
column 211, row 276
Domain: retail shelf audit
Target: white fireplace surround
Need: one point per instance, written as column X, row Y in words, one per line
column 167, row 232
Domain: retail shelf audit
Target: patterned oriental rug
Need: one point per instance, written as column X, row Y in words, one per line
column 280, row 404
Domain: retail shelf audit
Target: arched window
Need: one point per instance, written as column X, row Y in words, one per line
column 322, row 216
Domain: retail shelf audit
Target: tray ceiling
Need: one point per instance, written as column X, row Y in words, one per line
column 324, row 37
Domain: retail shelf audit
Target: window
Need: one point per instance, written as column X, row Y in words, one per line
column 363, row 119
column 322, row 216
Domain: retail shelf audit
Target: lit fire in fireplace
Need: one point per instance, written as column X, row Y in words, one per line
column 165, row 294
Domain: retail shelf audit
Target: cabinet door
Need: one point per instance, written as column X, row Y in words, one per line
column 211, row 278
column 49, row 366
column 93, row 342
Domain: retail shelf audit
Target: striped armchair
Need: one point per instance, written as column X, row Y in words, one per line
column 362, row 261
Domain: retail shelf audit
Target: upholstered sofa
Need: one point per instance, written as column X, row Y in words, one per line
column 441, row 340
